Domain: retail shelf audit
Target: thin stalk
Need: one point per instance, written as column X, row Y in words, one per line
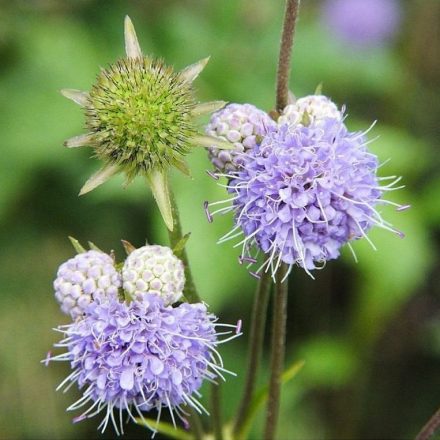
column 216, row 411
column 190, row 292
column 196, row 424
column 431, row 426
column 278, row 345
column 256, row 339
column 283, row 72
column 175, row 237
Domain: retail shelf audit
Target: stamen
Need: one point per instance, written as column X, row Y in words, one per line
column 206, row 208
column 212, row 174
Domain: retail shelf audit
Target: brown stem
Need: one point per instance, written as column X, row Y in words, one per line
column 431, row 426
column 256, row 339
column 283, row 72
column 278, row 345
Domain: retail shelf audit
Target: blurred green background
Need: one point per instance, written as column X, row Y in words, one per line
column 369, row 332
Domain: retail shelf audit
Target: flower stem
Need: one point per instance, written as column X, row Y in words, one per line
column 196, row 424
column 278, row 345
column 216, row 411
column 175, row 237
column 283, row 72
column 256, row 339
column 431, row 426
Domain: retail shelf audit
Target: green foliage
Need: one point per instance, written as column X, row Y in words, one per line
column 46, row 46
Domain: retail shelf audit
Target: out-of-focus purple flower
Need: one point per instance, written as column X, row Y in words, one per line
column 362, row 23
column 140, row 356
column 304, row 192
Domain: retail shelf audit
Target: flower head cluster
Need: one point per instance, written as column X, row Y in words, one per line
column 307, row 189
column 244, row 125
column 148, row 352
column 140, row 356
column 141, row 119
column 82, row 278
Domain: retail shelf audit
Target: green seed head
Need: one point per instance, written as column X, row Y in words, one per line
column 139, row 115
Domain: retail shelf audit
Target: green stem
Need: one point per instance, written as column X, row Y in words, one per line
column 283, row 72
column 216, row 411
column 175, row 237
column 256, row 339
column 278, row 345
column 190, row 292
column 431, row 426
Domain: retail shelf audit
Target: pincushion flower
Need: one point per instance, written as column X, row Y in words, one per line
column 304, row 192
column 140, row 116
column 141, row 356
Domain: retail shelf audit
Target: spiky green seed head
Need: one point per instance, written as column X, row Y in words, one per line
column 139, row 115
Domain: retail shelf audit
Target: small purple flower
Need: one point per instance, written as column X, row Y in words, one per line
column 305, row 192
column 141, row 356
column 362, row 22
column 241, row 124
column 80, row 279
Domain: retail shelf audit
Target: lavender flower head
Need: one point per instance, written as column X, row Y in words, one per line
column 362, row 23
column 141, row 356
column 244, row 125
column 82, row 278
column 305, row 192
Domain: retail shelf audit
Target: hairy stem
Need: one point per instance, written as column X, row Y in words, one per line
column 175, row 237
column 256, row 339
column 216, row 411
column 431, row 426
column 278, row 345
column 283, row 72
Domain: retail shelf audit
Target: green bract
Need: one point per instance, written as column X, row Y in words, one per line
column 140, row 115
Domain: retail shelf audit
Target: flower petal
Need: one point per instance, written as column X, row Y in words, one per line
column 132, row 48
column 190, row 73
column 99, row 178
column 158, row 181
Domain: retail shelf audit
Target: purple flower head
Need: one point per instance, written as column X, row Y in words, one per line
column 241, row 124
column 140, row 356
column 84, row 277
column 305, row 192
column 362, row 22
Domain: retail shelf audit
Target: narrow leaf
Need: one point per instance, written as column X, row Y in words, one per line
column 94, row 247
column 132, row 47
column 165, row 428
column 159, row 186
column 182, row 166
column 260, row 398
column 318, row 90
column 99, row 178
column 83, row 140
column 190, row 73
column 180, row 246
column 77, row 245
column 208, row 107
column 77, row 96
column 209, row 141
column 129, row 248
